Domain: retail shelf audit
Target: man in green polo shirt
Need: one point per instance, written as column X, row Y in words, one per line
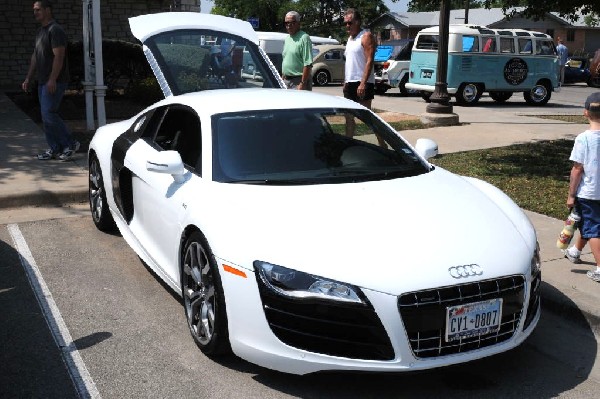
column 297, row 55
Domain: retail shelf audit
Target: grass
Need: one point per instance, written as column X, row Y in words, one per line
column 362, row 129
column 534, row 175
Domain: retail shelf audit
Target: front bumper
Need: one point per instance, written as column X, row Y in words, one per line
column 254, row 335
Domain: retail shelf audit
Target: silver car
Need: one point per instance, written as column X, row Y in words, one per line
column 328, row 64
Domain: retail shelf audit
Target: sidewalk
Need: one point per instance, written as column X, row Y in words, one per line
column 24, row 181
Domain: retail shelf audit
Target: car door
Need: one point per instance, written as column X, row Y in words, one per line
column 159, row 200
column 191, row 52
column 335, row 59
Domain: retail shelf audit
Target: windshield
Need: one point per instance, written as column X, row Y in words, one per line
column 195, row 60
column 308, row 146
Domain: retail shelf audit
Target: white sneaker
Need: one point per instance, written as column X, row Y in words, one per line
column 594, row 275
column 573, row 258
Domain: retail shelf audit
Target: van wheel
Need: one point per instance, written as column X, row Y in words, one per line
column 426, row 95
column 402, row 86
column 468, row 94
column 500, row 96
column 539, row 95
column 321, row 78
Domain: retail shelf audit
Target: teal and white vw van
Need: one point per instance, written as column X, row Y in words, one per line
column 498, row 61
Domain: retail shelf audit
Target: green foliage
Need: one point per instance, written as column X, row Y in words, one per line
column 533, row 9
column 319, row 17
column 434, row 5
column 144, row 91
column 124, row 62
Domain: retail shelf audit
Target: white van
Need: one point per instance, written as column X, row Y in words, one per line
column 272, row 44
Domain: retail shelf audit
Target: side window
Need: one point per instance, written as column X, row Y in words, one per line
column 545, row 47
column 180, row 131
column 470, row 44
column 489, row 44
column 525, row 46
column 507, row 45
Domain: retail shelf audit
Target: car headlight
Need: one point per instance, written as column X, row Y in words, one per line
column 536, row 263
column 295, row 284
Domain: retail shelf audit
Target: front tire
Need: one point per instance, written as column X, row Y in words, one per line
column 203, row 297
column 539, row 95
column 468, row 94
column 321, row 78
column 97, row 197
column 594, row 81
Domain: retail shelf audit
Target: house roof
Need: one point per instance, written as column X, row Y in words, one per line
column 477, row 16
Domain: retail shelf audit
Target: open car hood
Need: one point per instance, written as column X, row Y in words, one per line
column 191, row 52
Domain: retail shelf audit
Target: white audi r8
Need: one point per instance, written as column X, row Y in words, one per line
column 302, row 231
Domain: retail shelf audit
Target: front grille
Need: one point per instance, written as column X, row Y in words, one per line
column 424, row 314
column 331, row 328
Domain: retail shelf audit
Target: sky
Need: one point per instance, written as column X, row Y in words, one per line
column 399, row 6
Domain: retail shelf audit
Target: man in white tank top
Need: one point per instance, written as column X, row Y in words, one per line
column 359, row 77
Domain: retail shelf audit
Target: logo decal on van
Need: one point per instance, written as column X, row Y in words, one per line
column 515, row 71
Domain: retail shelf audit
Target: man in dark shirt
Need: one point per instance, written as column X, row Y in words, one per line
column 49, row 62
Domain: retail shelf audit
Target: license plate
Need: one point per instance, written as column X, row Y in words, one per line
column 473, row 319
column 426, row 74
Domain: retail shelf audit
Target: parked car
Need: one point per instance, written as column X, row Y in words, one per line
column 258, row 208
column 272, row 44
column 577, row 70
column 392, row 63
column 328, row 64
column 595, row 70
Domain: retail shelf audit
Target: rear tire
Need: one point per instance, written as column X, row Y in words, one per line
column 539, row 95
column 402, row 86
column 426, row 95
column 321, row 78
column 203, row 297
column 468, row 94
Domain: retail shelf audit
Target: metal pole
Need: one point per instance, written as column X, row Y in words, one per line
column 440, row 99
column 99, row 88
column 88, row 84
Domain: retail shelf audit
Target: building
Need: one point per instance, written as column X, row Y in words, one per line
column 18, row 28
column 579, row 38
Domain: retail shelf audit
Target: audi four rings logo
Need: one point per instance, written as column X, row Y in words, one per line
column 464, row 271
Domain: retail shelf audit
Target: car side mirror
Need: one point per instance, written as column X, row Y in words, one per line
column 167, row 162
column 426, row 148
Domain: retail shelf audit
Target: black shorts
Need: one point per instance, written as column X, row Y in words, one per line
column 350, row 89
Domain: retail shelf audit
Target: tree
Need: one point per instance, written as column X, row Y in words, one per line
column 319, row 17
column 434, row 5
column 534, row 9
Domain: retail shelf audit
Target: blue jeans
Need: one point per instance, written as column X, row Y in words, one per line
column 57, row 134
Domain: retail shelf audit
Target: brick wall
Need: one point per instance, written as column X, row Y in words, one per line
column 18, row 28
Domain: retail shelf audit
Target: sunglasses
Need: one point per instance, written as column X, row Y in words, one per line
column 289, row 23
column 348, row 23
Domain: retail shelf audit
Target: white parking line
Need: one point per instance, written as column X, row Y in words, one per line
column 80, row 376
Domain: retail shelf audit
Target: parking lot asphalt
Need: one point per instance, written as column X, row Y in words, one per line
column 42, row 185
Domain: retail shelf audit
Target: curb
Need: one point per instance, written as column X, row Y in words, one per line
column 44, row 198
